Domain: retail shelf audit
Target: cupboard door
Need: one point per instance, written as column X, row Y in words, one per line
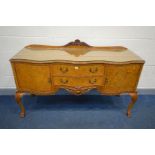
column 33, row 77
column 122, row 78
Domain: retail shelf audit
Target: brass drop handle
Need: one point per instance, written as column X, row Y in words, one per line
column 63, row 81
column 64, row 70
column 94, row 70
column 92, row 81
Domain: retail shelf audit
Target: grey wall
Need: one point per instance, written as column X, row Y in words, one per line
column 139, row 39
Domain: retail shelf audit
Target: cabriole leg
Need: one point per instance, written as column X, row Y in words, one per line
column 134, row 97
column 19, row 102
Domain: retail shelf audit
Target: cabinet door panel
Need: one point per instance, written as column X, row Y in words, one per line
column 33, row 77
column 121, row 78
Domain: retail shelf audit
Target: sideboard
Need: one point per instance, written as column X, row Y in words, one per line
column 76, row 67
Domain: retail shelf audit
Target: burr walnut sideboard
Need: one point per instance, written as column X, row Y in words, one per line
column 78, row 68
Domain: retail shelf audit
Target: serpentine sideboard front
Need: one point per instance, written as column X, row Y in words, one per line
column 78, row 68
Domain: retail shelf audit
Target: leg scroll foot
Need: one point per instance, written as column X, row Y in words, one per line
column 19, row 102
column 134, row 97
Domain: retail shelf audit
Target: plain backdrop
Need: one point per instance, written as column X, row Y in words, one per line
column 79, row 13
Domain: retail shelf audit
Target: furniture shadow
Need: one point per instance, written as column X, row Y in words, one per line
column 72, row 102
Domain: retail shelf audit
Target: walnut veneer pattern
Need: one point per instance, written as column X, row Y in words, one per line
column 47, row 77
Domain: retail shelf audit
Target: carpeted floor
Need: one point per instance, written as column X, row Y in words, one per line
column 78, row 112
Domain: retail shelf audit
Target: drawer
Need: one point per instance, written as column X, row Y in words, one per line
column 70, row 81
column 78, row 70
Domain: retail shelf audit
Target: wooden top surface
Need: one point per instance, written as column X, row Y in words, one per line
column 76, row 52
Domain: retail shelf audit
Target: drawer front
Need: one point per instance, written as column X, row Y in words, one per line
column 80, row 82
column 78, row 70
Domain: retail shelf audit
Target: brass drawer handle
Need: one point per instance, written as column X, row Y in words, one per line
column 92, row 81
column 64, row 70
column 63, row 81
column 94, row 70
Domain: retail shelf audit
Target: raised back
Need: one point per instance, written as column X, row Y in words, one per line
column 77, row 42
column 77, row 48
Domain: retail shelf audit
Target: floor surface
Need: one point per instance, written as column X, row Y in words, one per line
column 78, row 112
